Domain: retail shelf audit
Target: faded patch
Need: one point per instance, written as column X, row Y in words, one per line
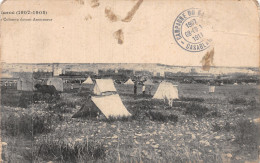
column 94, row 3
column 132, row 12
column 119, row 35
column 110, row 15
column 207, row 60
column 88, row 17
column 80, row 2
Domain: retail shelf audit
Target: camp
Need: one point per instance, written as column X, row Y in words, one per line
column 111, row 106
column 129, row 82
column 166, row 90
column 104, row 86
column 56, row 82
column 88, row 81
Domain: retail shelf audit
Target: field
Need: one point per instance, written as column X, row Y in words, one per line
column 199, row 127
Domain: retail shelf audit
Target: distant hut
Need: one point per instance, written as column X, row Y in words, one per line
column 25, row 84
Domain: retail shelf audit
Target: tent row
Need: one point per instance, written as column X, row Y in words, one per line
column 107, row 100
column 27, row 84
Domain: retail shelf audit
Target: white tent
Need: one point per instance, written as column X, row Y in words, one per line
column 129, row 82
column 148, row 82
column 56, row 82
column 211, row 89
column 104, row 85
column 88, row 81
column 166, row 90
column 111, row 105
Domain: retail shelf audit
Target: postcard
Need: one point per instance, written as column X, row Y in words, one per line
column 129, row 81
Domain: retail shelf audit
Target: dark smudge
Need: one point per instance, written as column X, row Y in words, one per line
column 94, row 3
column 88, row 17
column 119, row 35
column 207, row 60
column 131, row 13
column 80, row 2
column 110, row 14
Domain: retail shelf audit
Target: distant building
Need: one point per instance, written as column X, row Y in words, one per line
column 106, row 72
column 57, row 71
column 126, row 72
column 42, row 75
column 143, row 73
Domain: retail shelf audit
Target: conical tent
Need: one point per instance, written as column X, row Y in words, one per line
column 56, row 82
column 111, row 106
column 166, row 90
column 129, row 82
column 148, row 82
column 104, row 85
column 88, row 81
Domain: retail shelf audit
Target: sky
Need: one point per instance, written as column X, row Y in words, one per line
column 82, row 34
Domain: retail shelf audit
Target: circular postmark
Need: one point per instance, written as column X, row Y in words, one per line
column 188, row 31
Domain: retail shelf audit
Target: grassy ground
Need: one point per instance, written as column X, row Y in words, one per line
column 198, row 127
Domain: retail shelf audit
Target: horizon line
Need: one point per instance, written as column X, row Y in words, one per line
column 125, row 63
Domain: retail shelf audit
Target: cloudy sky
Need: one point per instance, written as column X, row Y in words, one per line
column 79, row 33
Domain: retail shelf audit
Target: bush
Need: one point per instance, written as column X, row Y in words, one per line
column 16, row 99
column 179, row 104
column 157, row 116
column 227, row 127
column 62, row 107
column 62, row 151
column 196, row 110
column 145, row 104
column 195, row 99
column 28, row 124
column 113, row 119
column 214, row 114
column 247, row 137
column 238, row 101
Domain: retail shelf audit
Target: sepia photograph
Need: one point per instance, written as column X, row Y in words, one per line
column 129, row 81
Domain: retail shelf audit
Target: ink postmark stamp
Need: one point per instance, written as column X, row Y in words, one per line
column 188, row 31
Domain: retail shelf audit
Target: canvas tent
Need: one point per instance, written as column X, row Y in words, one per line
column 129, row 82
column 103, row 86
column 166, row 90
column 25, row 84
column 56, row 82
column 148, row 82
column 25, row 81
column 110, row 105
column 88, row 81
